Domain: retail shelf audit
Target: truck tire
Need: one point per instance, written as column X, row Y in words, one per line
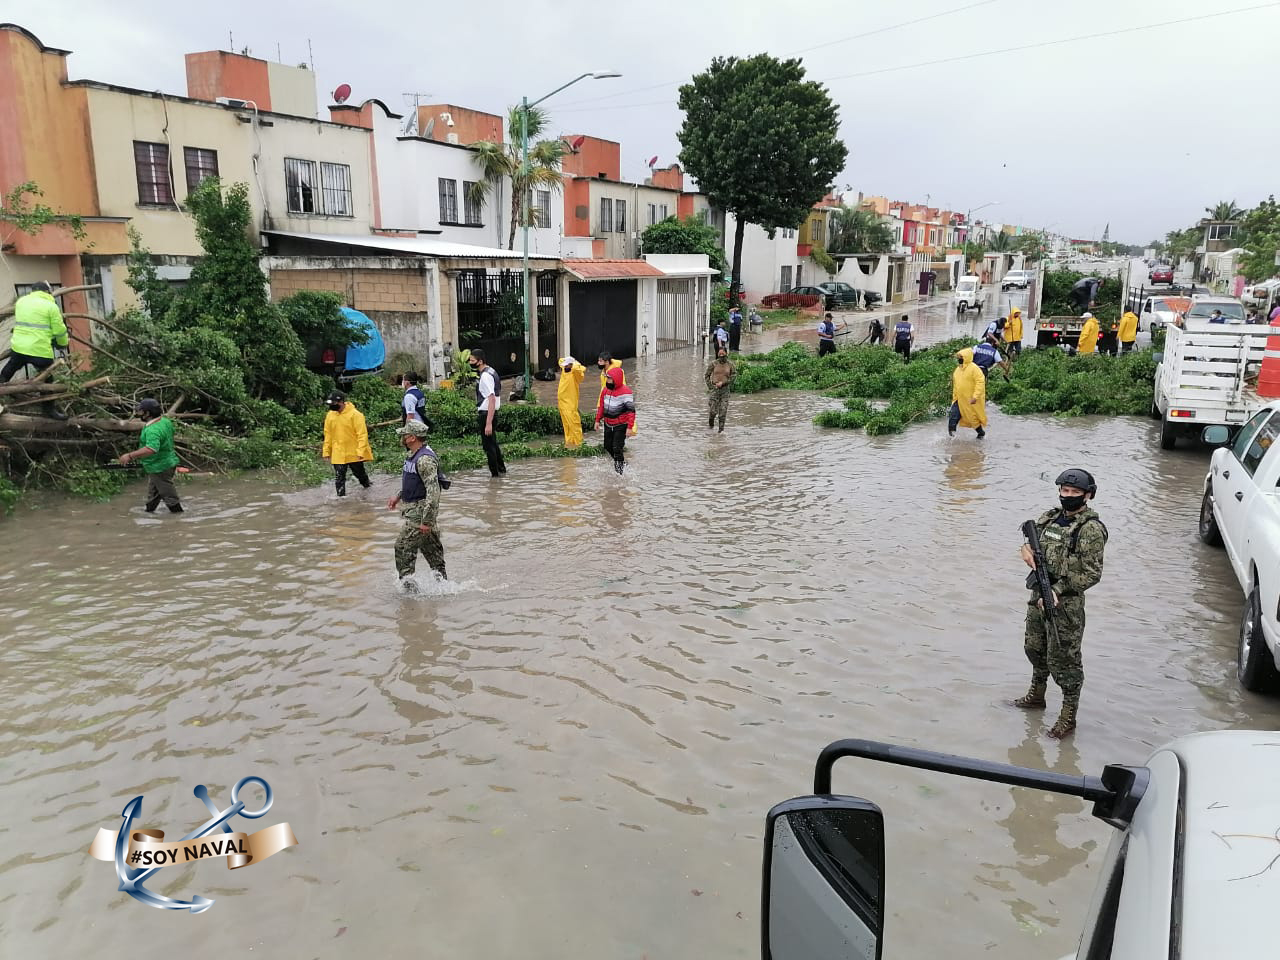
column 1208, row 527
column 1255, row 666
column 1168, row 436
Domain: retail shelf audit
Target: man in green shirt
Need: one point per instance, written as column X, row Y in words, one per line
column 158, row 459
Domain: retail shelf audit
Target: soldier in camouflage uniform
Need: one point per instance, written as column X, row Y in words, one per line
column 719, row 377
column 418, row 502
column 1073, row 538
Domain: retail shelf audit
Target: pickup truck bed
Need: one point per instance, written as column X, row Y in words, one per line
column 1207, row 376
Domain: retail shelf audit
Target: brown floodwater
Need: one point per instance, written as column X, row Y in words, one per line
column 568, row 751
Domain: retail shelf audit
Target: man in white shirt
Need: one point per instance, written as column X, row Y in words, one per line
column 488, row 388
column 414, row 405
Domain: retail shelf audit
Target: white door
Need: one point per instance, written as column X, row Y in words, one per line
column 1233, row 488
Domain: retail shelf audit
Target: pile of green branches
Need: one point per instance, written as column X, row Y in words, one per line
column 882, row 394
column 1056, row 301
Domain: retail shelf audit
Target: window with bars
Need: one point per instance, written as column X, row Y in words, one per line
column 472, row 208
column 653, row 214
column 786, row 279
column 662, row 213
column 300, row 185
column 620, row 216
column 448, row 200
column 542, row 208
column 151, row 160
column 335, row 190
column 200, row 163
column 606, row 216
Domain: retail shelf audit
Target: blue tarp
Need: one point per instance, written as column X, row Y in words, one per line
column 370, row 355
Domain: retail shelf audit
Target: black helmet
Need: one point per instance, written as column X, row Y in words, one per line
column 150, row 406
column 337, row 396
column 1080, row 479
column 42, row 286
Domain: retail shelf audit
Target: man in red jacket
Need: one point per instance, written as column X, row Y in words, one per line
column 617, row 408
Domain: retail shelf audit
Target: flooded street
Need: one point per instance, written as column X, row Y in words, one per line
column 569, row 751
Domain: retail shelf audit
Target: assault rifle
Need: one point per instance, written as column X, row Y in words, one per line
column 1038, row 579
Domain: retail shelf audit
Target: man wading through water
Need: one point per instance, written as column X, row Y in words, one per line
column 419, row 502
column 158, row 459
column 719, row 378
column 488, row 388
column 1073, row 539
column 618, row 411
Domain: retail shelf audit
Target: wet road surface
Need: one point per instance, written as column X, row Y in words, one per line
column 569, row 751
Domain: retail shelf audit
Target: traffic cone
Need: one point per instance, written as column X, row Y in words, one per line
column 1269, row 375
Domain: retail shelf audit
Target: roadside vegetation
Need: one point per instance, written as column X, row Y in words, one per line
column 882, row 394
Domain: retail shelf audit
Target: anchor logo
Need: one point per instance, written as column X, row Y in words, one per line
column 147, row 846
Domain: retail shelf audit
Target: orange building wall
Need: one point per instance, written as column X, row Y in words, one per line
column 671, row 177
column 471, row 126
column 217, row 73
column 595, row 158
column 577, row 208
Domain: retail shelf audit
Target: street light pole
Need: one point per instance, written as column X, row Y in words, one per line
column 525, row 106
column 968, row 225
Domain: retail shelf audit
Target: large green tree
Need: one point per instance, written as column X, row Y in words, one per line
column 858, row 231
column 502, row 161
column 687, row 235
column 1224, row 210
column 1262, row 241
column 762, row 142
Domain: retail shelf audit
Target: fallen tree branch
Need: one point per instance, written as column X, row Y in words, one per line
column 11, row 308
column 15, row 422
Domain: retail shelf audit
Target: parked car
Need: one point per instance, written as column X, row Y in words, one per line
column 799, row 297
column 1261, row 295
column 1239, row 511
column 845, row 295
column 345, row 362
column 1187, row 873
column 1017, row 278
column 1161, row 273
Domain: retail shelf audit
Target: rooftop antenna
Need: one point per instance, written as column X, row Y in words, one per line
column 410, row 126
column 311, row 56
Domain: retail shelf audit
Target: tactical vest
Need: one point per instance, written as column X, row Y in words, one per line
column 497, row 384
column 419, row 403
column 902, row 330
column 412, row 489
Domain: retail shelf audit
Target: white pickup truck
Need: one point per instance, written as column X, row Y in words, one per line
column 1188, row 876
column 1240, row 510
column 1207, row 374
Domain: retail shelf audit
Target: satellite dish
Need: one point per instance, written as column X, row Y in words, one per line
column 431, row 125
column 652, row 162
column 577, row 143
column 342, row 93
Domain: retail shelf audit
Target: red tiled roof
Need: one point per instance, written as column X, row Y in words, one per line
column 611, row 269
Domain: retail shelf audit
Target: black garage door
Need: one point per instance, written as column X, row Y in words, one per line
column 602, row 317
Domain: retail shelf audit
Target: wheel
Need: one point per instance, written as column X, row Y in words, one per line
column 1255, row 667
column 1168, row 436
column 1155, row 413
column 1208, row 529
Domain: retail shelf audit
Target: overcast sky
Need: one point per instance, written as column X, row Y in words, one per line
column 1141, row 130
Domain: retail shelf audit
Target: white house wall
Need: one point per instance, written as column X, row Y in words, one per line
column 409, row 173
column 763, row 259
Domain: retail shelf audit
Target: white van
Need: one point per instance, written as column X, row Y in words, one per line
column 969, row 294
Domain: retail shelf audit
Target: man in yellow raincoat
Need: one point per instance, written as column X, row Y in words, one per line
column 1128, row 332
column 968, row 395
column 346, row 442
column 1088, row 342
column 1013, row 332
column 571, row 374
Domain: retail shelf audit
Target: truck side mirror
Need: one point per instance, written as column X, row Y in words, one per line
column 823, row 880
column 1216, row 436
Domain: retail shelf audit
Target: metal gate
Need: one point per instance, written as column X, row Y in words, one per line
column 676, row 326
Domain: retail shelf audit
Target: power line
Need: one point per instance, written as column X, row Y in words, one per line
column 828, row 43
column 973, row 56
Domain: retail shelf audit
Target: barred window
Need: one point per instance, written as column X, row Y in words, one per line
column 606, row 216
column 151, row 160
column 335, row 189
column 448, row 201
column 542, row 208
column 620, row 216
column 472, row 208
column 201, row 163
column 299, row 182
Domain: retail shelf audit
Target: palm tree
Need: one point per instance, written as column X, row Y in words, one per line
column 1000, row 243
column 501, row 161
column 858, row 231
column 1224, row 210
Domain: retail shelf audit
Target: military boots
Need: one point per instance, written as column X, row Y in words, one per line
column 1066, row 722
column 1033, row 699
